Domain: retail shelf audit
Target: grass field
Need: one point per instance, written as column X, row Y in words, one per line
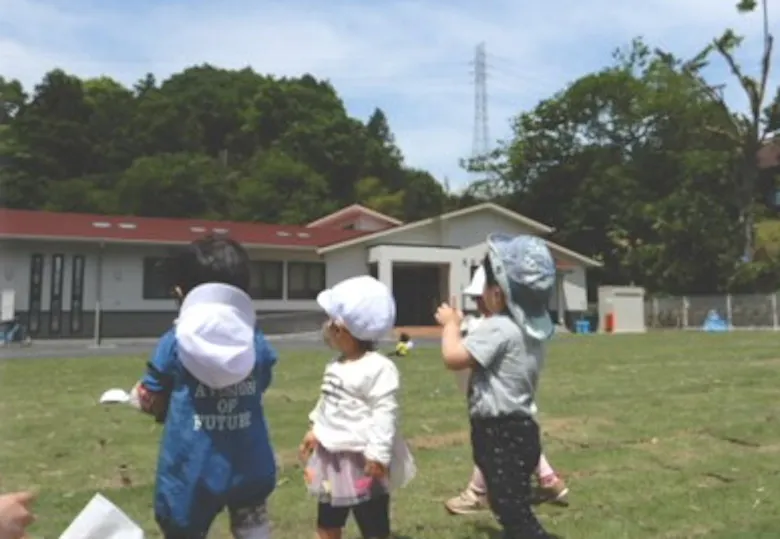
column 668, row 435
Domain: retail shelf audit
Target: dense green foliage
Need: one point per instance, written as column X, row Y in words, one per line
column 207, row 142
column 641, row 165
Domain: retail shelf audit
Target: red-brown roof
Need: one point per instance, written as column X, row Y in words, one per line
column 79, row 226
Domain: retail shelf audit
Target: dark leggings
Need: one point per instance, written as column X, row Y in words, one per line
column 371, row 516
column 506, row 450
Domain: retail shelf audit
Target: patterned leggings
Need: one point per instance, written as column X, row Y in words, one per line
column 506, row 450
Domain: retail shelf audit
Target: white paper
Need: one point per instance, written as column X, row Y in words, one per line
column 115, row 396
column 101, row 519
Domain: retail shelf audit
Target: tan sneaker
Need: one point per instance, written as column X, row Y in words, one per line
column 555, row 492
column 467, row 502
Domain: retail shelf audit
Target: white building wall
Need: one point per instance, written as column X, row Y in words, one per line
column 16, row 258
column 575, row 289
column 366, row 222
column 122, row 283
column 465, row 231
column 345, row 263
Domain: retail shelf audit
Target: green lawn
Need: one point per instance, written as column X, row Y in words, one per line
column 667, row 435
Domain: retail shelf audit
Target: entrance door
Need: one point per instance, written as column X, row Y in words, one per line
column 417, row 294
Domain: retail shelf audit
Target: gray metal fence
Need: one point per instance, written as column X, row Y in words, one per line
column 739, row 311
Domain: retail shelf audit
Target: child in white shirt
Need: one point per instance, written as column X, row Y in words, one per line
column 354, row 450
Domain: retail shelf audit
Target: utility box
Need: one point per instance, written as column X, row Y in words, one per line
column 622, row 309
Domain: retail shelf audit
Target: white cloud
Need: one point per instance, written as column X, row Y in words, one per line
column 408, row 57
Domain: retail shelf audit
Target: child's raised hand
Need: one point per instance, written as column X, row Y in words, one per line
column 307, row 447
column 374, row 469
column 448, row 313
column 15, row 514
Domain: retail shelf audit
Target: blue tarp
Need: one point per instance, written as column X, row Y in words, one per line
column 714, row 323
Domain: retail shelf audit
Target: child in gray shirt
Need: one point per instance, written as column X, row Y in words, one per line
column 506, row 353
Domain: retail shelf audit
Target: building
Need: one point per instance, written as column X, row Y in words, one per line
column 73, row 272
column 769, row 154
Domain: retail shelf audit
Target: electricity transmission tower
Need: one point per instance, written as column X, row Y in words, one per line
column 480, row 143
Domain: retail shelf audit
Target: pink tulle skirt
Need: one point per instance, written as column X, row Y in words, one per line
column 339, row 478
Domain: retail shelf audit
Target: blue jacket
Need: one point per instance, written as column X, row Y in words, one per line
column 215, row 449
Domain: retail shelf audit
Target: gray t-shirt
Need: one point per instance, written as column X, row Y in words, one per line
column 509, row 362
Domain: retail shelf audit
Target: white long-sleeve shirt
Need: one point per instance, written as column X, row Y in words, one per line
column 358, row 407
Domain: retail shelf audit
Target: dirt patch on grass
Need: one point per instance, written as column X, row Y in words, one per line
column 577, row 425
column 688, row 533
column 439, row 441
column 680, row 447
column 771, row 362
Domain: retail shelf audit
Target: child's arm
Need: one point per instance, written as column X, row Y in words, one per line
column 455, row 355
column 267, row 358
column 480, row 347
column 383, row 399
column 153, row 391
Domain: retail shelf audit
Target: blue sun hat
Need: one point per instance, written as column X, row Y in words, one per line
column 525, row 271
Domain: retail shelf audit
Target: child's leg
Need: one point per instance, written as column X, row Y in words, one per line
column 551, row 487
column 373, row 517
column 250, row 522
column 331, row 521
column 544, row 471
column 477, row 483
column 471, row 500
column 507, row 451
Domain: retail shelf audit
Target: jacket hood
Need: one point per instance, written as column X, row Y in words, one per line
column 215, row 334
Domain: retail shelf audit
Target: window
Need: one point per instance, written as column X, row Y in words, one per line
column 266, row 279
column 55, row 294
column 36, row 289
column 77, row 295
column 305, row 279
column 155, row 281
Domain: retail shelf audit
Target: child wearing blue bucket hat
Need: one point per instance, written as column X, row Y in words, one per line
column 506, row 353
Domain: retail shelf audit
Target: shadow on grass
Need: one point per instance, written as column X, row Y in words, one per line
column 485, row 531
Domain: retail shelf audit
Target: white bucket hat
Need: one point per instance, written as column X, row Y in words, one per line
column 363, row 305
column 477, row 284
column 525, row 271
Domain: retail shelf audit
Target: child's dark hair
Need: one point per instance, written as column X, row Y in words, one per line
column 211, row 259
column 404, row 337
column 490, row 276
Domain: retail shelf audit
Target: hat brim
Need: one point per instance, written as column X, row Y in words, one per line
column 326, row 303
column 538, row 325
column 472, row 292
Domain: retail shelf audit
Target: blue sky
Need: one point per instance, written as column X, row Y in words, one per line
column 409, row 57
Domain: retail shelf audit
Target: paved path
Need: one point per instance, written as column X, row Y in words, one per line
column 130, row 347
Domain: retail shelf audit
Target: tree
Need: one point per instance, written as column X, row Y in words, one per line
column 12, row 98
column 205, row 142
column 748, row 132
column 277, row 188
column 620, row 165
column 174, row 185
column 51, row 130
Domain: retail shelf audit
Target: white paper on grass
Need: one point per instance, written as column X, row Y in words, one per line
column 101, row 519
column 115, row 396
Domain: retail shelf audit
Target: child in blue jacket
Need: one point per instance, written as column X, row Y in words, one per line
column 205, row 381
